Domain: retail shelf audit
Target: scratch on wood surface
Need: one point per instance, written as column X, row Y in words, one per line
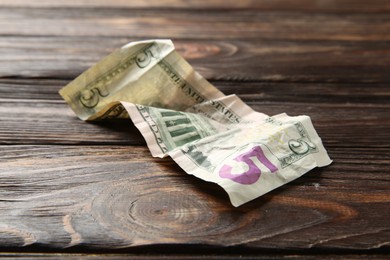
column 74, row 235
column 350, row 236
column 28, row 238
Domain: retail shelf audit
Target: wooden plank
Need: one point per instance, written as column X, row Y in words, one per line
column 45, row 122
column 231, row 60
column 107, row 197
column 196, row 255
column 343, row 124
column 205, row 24
column 348, row 6
column 295, row 92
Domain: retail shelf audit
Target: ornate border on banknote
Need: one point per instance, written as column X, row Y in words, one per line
column 90, row 95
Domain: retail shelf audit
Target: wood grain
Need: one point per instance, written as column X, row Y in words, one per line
column 106, row 197
column 342, row 6
column 222, row 25
column 227, row 60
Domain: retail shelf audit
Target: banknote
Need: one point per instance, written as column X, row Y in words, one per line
column 149, row 72
column 212, row 136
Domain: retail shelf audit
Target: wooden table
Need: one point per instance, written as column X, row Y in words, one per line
column 70, row 188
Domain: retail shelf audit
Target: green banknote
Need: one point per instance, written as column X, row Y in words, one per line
column 215, row 137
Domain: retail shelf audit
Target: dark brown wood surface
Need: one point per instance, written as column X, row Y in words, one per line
column 70, row 188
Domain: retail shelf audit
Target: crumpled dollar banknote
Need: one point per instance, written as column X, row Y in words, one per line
column 215, row 137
